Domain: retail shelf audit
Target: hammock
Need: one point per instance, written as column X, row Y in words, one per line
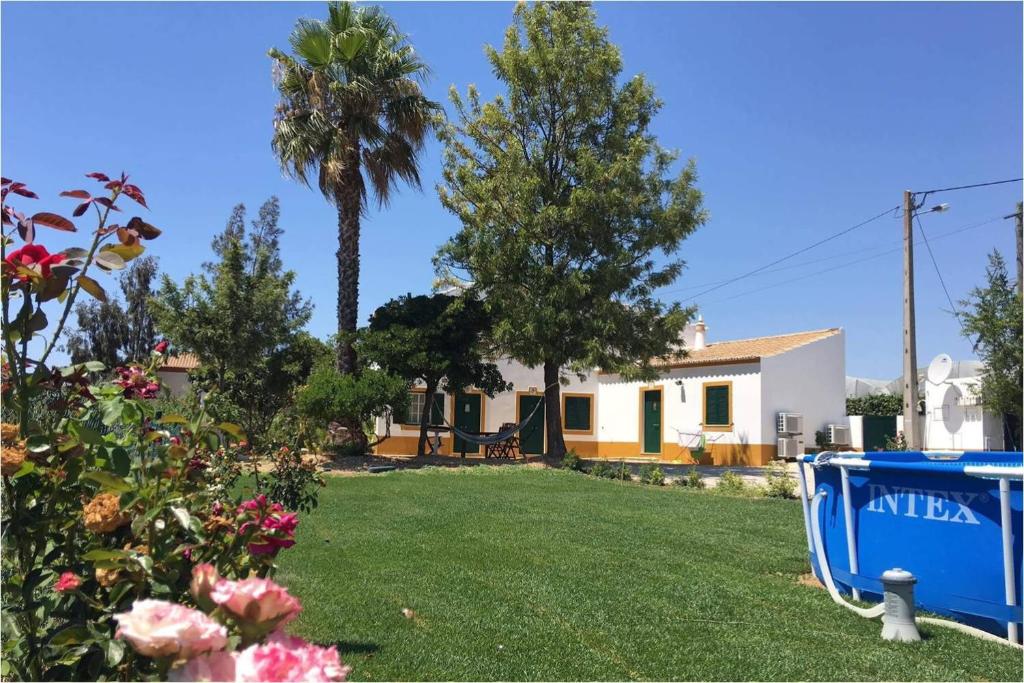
column 491, row 439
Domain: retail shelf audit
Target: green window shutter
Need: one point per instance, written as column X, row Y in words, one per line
column 577, row 413
column 437, row 410
column 716, row 406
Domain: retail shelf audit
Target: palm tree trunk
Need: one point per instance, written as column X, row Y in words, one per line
column 553, row 411
column 348, row 202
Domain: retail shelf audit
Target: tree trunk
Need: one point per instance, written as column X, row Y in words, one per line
column 349, row 203
column 428, row 406
column 553, row 411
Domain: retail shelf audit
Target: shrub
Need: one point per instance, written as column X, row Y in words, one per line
column 693, row 479
column 603, row 470
column 730, row 482
column 356, row 400
column 571, row 461
column 623, row 472
column 899, row 443
column 292, row 481
column 876, row 404
column 652, row 474
column 347, row 449
column 779, row 482
column 111, row 506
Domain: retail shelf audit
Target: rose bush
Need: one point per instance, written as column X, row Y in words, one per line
column 240, row 640
column 107, row 506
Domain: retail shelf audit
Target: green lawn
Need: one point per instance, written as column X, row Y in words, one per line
column 548, row 575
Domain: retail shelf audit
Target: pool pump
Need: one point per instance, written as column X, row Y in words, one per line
column 898, row 621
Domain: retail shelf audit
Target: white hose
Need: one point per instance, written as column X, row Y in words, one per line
column 819, row 550
column 879, row 609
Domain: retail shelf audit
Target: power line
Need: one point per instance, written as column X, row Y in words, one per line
column 795, row 253
column 938, row 271
column 850, row 263
column 968, row 187
column 845, row 254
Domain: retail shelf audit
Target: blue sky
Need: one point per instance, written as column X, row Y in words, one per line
column 804, row 119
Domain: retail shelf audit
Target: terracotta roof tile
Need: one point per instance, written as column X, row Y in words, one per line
column 746, row 350
column 186, row 361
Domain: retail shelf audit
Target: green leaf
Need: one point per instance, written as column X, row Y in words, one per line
column 95, row 555
column 109, row 481
column 350, row 45
column 37, row 322
column 88, row 435
column 27, row 467
column 115, row 652
column 121, row 461
column 70, row 636
column 112, row 410
column 173, row 419
column 94, row 288
column 232, row 429
column 124, row 251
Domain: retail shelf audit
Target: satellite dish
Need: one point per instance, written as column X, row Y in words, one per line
column 940, row 368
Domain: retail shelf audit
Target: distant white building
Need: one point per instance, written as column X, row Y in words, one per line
column 953, row 416
column 724, row 394
column 173, row 374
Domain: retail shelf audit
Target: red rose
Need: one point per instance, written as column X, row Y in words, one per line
column 68, row 581
column 162, row 346
column 32, row 254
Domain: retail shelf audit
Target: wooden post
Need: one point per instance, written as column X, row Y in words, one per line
column 910, row 398
column 1020, row 254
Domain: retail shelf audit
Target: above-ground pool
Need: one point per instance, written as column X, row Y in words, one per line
column 953, row 519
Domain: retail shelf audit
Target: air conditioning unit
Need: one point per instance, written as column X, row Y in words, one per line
column 789, row 423
column 839, row 435
column 790, row 447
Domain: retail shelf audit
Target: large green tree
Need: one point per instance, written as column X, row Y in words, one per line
column 113, row 332
column 440, row 340
column 991, row 318
column 571, row 211
column 353, row 116
column 243, row 319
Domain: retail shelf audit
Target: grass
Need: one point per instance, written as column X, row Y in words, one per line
column 517, row 574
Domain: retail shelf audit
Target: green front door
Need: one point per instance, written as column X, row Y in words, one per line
column 652, row 422
column 531, row 437
column 467, row 418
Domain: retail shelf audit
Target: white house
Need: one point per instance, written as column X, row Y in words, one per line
column 727, row 392
column 173, row 373
column 953, row 417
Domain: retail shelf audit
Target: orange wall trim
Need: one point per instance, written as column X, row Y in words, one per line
column 753, row 455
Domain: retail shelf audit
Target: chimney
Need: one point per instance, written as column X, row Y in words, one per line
column 698, row 337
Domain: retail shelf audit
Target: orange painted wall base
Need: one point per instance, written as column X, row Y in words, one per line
column 750, row 455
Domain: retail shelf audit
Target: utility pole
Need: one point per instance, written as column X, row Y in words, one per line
column 910, row 418
column 1020, row 239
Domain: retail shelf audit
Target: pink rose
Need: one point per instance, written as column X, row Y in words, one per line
column 204, row 578
column 156, row 628
column 215, row 666
column 256, row 600
column 68, row 581
column 284, row 658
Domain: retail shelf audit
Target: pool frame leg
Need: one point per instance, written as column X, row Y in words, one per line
column 851, row 541
column 1009, row 582
column 806, row 505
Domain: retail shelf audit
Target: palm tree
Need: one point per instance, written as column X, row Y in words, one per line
column 352, row 112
